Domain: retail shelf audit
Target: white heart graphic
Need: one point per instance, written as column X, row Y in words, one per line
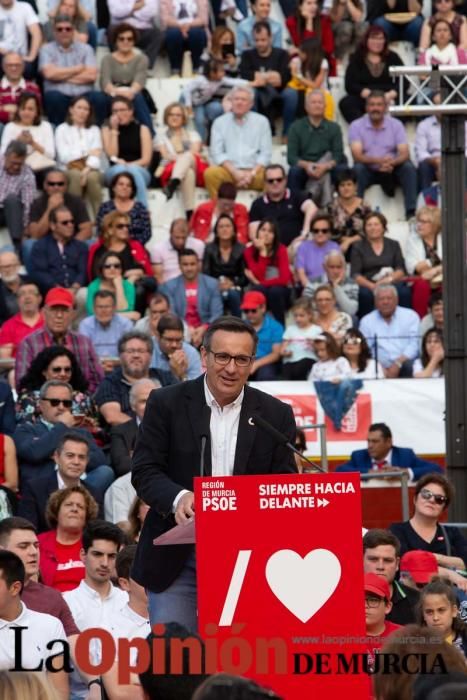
column 303, row 585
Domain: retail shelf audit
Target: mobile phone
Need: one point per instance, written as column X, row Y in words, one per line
column 228, row 49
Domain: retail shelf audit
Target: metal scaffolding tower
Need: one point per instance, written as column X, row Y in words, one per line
column 451, row 82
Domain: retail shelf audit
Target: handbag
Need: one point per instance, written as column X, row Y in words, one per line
column 78, row 164
column 39, row 161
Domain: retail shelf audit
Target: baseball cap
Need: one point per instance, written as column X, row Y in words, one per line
column 378, row 585
column 252, row 300
column 421, row 565
column 59, row 296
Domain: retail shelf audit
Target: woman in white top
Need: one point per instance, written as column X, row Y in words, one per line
column 181, row 163
column 29, row 127
column 79, row 148
column 430, row 363
column 423, row 257
column 355, row 349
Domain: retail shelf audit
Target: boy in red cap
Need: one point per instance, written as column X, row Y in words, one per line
column 268, row 353
column 418, row 567
column 377, row 606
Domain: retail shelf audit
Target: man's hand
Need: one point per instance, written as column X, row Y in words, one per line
column 178, row 362
column 68, row 419
column 55, row 200
column 185, row 508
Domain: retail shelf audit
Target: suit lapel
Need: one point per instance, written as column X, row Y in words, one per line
column 246, row 431
column 199, row 415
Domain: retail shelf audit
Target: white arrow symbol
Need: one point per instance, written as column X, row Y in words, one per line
column 322, row 502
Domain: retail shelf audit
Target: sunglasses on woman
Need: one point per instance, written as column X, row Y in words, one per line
column 427, row 495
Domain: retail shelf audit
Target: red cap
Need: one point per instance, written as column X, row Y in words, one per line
column 252, row 300
column 421, row 565
column 59, row 296
column 373, row 583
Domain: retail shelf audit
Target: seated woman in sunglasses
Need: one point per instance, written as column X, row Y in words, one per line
column 433, row 493
column 59, row 363
column 355, row 349
column 110, row 277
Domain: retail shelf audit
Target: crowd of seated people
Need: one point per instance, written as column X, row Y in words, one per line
column 97, row 311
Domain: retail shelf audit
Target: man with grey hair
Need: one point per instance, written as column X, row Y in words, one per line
column 10, row 282
column 120, row 495
column 17, row 191
column 314, row 149
column 241, row 145
column 392, row 333
column 37, row 442
column 113, row 394
column 345, row 288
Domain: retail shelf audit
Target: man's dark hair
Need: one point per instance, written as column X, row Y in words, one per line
column 229, row 324
column 227, row 191
column 169, row 322
column 262, row 26
column 159, row 296
column 105, row 294
column 54, row 212
column 173, row 686
column 131, row 335
column 435, row 298
column 124, row 561
column 375, row 93
column 12, row 568
column 382, row 428
column 71, row 436
column 187, row 252
column 377, row 537
column 275, row 166
column 17, row 148
column 102, row 530
column 7, row 525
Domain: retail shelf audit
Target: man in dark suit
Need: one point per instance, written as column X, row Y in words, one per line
column 382, row 456
column 71, row 458
column 219, row 406
column 123, row 436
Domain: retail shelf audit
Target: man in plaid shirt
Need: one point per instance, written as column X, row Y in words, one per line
column 12, row 86
column 58, row 315
column 17, row 191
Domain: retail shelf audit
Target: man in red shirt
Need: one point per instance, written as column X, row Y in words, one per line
column 28, row 320
column 377, row 606
column 12, row 85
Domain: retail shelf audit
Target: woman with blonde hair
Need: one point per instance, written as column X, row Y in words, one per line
column 182, row 165
column 25, row 685
column 423, row 257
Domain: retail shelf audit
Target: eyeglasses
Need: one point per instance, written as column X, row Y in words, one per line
column 10, row 267
column 175, row 114
column 57, row 370
column 250, row 311
column 109, row 266
column 55, row 183
column 274, row 180
column 372, row 602
column 320, row 230
column 351, row 340
column 126, row 38
column 66, row 222
column 63, row 29
column 427, row 495
column 67, row 403
column 122, row 226
column 223, row 358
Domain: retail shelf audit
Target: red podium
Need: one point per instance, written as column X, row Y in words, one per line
column 280, row 581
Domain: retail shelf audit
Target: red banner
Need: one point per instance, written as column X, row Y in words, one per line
column 280, row 582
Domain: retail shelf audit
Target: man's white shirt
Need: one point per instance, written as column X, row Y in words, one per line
column 41, row 629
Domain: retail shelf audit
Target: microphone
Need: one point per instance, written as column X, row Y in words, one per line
column 204, row 439
column 281, row 439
